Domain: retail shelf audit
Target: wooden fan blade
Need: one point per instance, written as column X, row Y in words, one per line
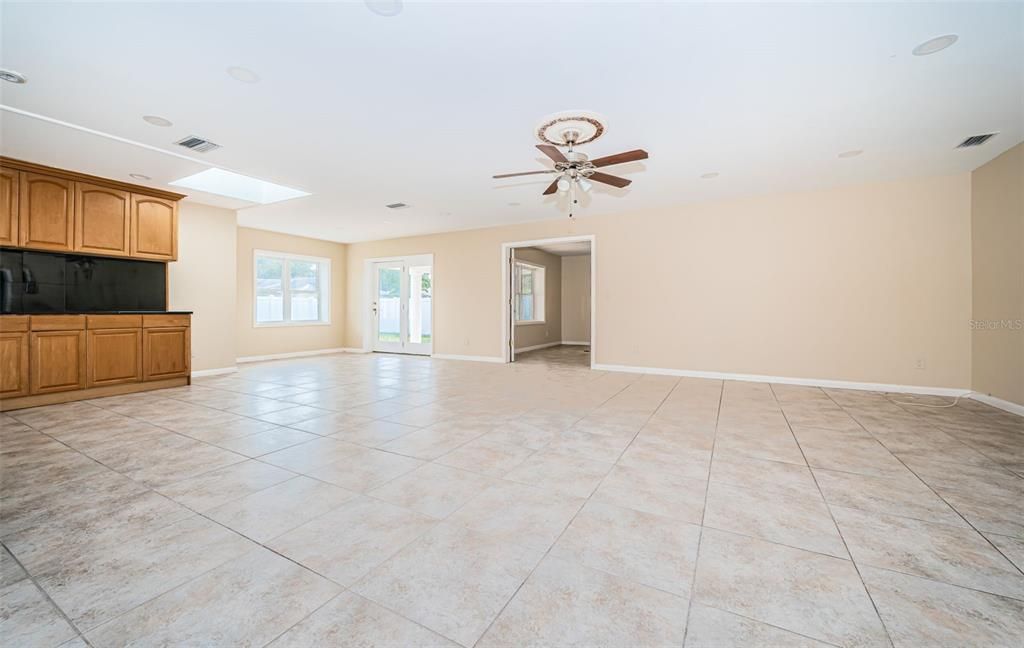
column 552, row 152
column 619, row 158
column 614, row 181
column 552, row 188
column 512, row 175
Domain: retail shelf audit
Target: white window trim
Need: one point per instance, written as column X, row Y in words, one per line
column 324, row 281
column 543, row 294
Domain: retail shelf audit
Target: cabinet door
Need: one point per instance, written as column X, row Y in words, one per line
column 166, row 353
column 58, row 361
column 9, row 181
column 13, row 364
column 114, row 356
column 46, row 212
column 154, row 229
column 102, row 217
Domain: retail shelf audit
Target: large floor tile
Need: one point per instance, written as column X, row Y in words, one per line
column 708, row 627
column 519, row 514
column 906, row 497
column 365, row 470
column 655, row 492
column 452, row 580
column 272, row 511
column 566, row 474
column 486, row 456
column 920, row 612
column 950, row 554
column 567, row 604
column 807, row 593
column 246, row 602
column 350, row 621
column 432, row 489
column 220, row 486
column 350, row 541
column 801, row 522
column 768, row 476
column 27, row 618
column 649, row 549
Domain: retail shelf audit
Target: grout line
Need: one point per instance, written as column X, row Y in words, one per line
column 704, row 510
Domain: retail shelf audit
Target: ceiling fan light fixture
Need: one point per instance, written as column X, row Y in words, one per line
column 585, row 184
column 564, row 184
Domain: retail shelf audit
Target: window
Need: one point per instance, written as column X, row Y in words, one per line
column 529, row 285
column 291, row 290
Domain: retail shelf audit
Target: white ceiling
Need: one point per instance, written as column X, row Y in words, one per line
column 363, row 110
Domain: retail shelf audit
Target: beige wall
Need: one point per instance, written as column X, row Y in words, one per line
column 854, row 283
column 997, row 238
column 550, row 331
column 203, row 280
column 253, row 341
column 576, row 298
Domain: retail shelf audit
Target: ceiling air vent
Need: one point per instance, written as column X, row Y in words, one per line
column 976, row 140
column 396, row 206
column 197, row 144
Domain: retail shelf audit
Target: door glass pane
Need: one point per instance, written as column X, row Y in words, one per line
column 269, row 290
column 389, row 298
column 420, row 302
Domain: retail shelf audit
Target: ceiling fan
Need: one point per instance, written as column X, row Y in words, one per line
column 576, row 169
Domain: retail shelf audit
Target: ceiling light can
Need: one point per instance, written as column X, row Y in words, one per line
column 850, row 154
column 154, row 120
column 245, row 75
column 709, row 176
column 11, row 76
column 933, row 45
column 386, row 8
column 139, row 176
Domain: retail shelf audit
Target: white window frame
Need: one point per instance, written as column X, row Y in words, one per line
column 539, row 295
column 323, row 284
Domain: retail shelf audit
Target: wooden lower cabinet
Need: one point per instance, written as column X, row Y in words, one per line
column 13, row 364
column 166, row 352
column 46, row 359
column 57, row 361
column 114, row 356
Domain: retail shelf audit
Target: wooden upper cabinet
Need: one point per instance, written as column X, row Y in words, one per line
column 9, row 186
column 102, row 220
column 154, row 228
column 46, row 212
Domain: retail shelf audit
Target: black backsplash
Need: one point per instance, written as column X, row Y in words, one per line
column 45, row 282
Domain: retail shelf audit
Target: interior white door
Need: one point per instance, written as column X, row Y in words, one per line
column 402, row 300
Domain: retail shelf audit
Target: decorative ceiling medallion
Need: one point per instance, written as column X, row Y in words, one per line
column 584, row 126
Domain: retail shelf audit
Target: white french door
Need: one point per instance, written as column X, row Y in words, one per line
column 402, row 305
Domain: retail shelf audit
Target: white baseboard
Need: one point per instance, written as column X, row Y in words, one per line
column 282, row 356
column 471, row 358
column 1005, row 405
column 546, row 345
column 214, row 372
column 809, row 382
column 354, row 350
column 575, row 343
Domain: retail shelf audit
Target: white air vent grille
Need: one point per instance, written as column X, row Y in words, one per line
column 976, row 140
column 398, row 205
column 197, row 144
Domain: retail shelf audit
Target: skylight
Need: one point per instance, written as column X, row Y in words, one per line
column 235, row 185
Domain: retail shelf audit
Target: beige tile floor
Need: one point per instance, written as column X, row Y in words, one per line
column 402, row 501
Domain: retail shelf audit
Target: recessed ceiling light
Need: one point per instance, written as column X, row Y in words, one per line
column 236, row 185
column 12, row 77
column 384, row 7
column 157, row 121
column 933, row 45
column 850, row 154
column 139, row 176
column 245, row 75
column 709, row 176
column 514, row 204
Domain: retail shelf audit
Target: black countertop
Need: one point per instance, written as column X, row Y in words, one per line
column 122, row 312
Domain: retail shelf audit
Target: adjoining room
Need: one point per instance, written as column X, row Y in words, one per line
column 504, row 324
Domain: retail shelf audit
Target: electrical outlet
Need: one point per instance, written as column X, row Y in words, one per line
column 921, row 363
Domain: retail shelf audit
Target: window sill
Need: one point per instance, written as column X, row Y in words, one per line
column 531, row 323
column 288, row 324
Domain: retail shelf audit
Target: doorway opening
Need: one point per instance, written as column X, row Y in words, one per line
column 549, row 289
column 401, row 294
